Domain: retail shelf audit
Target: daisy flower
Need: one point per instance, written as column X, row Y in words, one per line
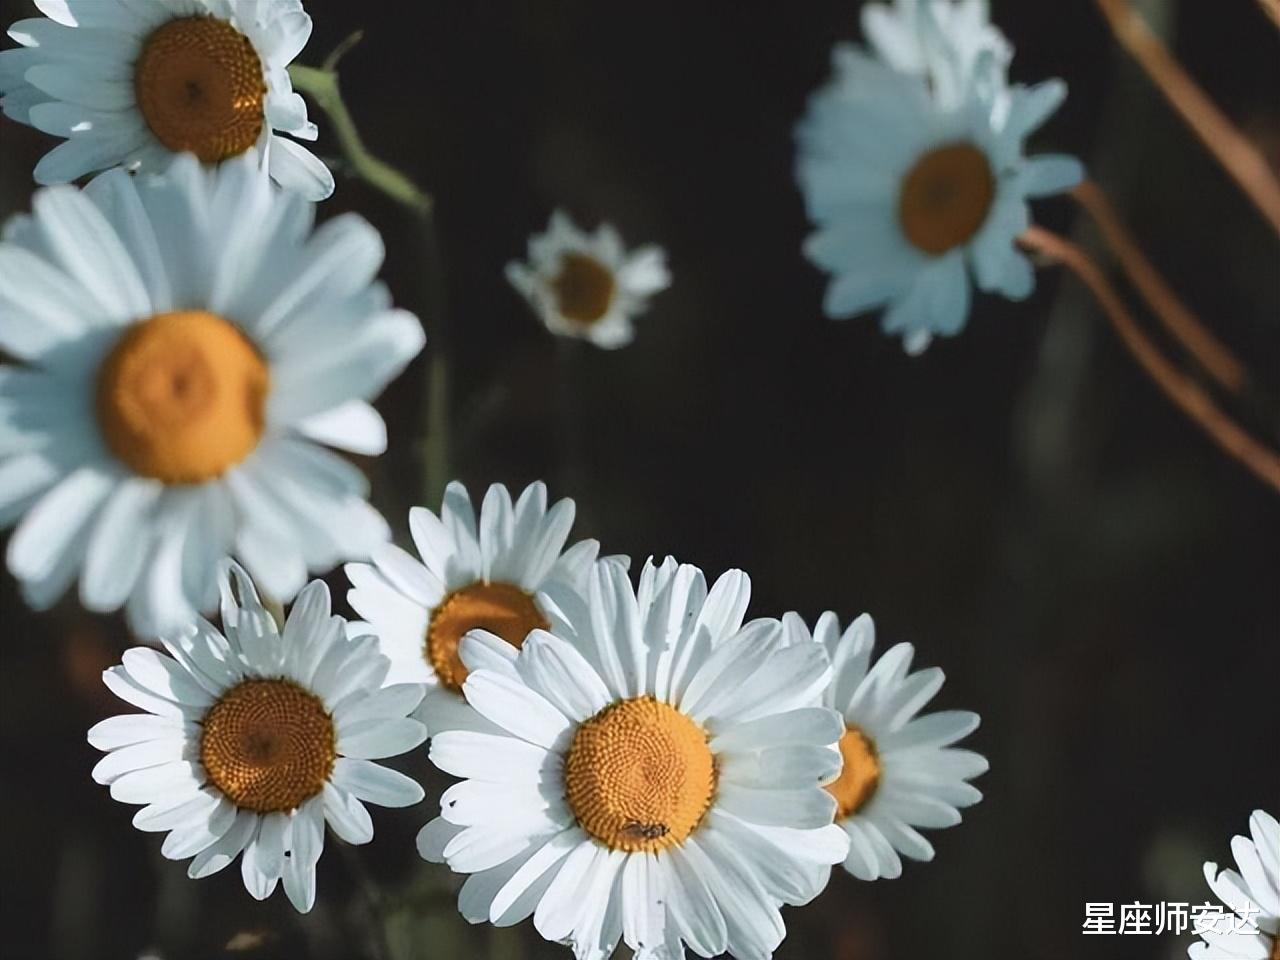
column 911, row 197
column 130, row 84
column 188, row 341
column 899, row 770
column 952, row 43
column 251, row 741
column 1252, row 894
column 588, row 286
column 484, row 576
column 653, row 775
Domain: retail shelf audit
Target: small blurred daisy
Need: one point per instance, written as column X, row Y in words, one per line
column 253, row 740
column 910, row 196
column 900, row 771
column 188, row 341
column 132, row 83
column 654, row 775
column 588, row 286
column 1253, row 896
column 470, row 577
column 952, row 43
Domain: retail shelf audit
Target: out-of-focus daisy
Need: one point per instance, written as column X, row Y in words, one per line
column 485, row 576
column 131, row 83
column 654, row 774
column 900, row 771
column 1252, row 894
column 188, row 343
column 952, row 43
column 588, row 286
column 910, row 197
column 253, row 739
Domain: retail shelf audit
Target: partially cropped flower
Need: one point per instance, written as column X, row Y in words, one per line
column 488, row 576
column 189, row 342
column 915, row 201
column 951, row 43
column 900, row 771
column 654, row 774
column 588, row 286
column 1252, row 930
column 252, row 740
column 132, row 83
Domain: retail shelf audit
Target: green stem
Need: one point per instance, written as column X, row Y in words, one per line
column 436, row 451
column 322, row 86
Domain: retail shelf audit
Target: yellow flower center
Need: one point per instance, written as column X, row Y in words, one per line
column 860, row 775
column 500, row 608
column 181, row 397
column 946, row 197
column 268, row 745
column 199, row 84
column 584, row 288
column 639, row 775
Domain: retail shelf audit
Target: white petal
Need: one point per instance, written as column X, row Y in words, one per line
column 347, row 815
column 515, row 707
column 374, row 783
column 295, row 167
column 491, row 758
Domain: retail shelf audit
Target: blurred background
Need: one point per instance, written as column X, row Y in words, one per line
column 1097, row 580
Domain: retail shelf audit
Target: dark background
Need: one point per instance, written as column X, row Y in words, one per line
column 1097, row 579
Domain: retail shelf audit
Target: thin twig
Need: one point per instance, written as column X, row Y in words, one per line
column 321, row 84
column 1168, row 308
column 1184, row 392
column 1240, row 158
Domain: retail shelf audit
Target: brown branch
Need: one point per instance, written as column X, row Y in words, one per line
column 1185, row 393
column 1168, row 308
column 1272, row 9
column 1240, row 158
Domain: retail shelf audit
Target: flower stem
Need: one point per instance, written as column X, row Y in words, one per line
column 1184, row 392
column 1240, row 158
column 1168, row 308
column 322, row 86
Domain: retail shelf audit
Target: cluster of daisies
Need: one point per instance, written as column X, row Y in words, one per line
column 636, row 762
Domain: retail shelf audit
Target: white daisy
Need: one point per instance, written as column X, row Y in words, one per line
column 909, row 196
column 952, row 43
column 900, row 771
column 132, row 82
column 588, row 286
column 1253, row 895
column 653, row 773
column 252, row 740
column 186, row 341
column 470, row 577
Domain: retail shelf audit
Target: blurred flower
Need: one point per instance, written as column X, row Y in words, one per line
column 653, row 774
column 131, row 84
column 252, row 741
column 187, row 341
column 488, row 578
column 1253, row 895
column 910, row 195
column 588, row 286
column 951, row 43
column 899, row 770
